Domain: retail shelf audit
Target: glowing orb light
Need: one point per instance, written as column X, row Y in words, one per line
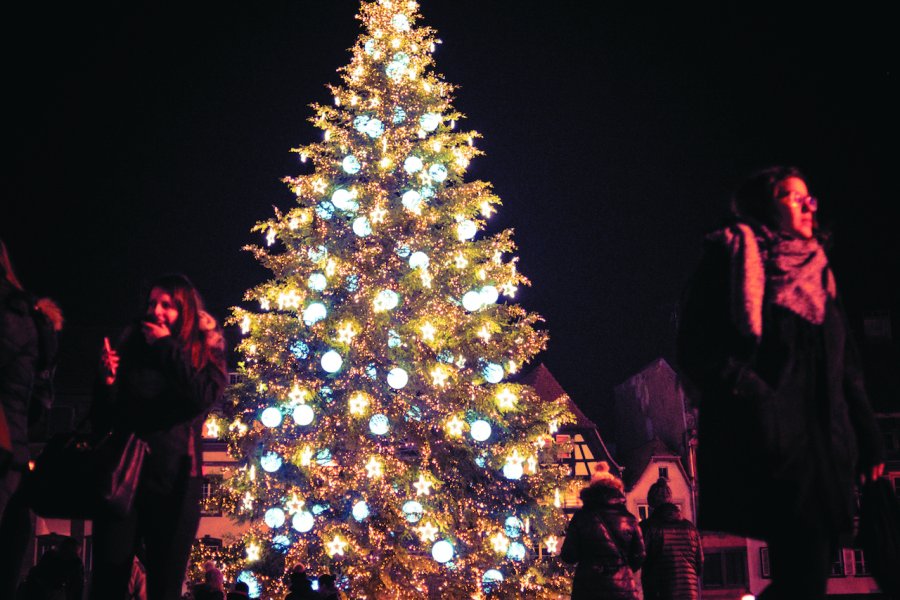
column 369, row 46
column 303, row 521
column 379, row 424
column 471, row 301
column 466, row 230
column 442, row 551
column 303, row 414
column 386, row 300
column 395, row 71
column 300, row 349
column 274, row 518
column 430, row 121
column 516, row 551
column 282, row 543
column 438, row 172
column 393, row 339
column 271, row 417
column 418, row 260
column 332, row 361
column 399, row 115
column 400, row 22
column 513, row 470
column 489, row 294
column 318, row 253
column 513, row 527
column 323, row 457
column 351, row 164
column 493, row 373
column 490, row 580
column 397, row 378
column 360, row 510
column 342, row 199
column 411, row 200
column 314, row 313
column 374, row 128
column 412, row 164
column 360, row 122
column 270, row 462
column 402, row 58
column 253, row 587
column 413, row 511
column 480, row 430
column 362, row 227
column 317, row 282
column 325, row 210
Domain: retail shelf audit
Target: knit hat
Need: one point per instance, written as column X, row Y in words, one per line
column 601, row 476
column 659, row 493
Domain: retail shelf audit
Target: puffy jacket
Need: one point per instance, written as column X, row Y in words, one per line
column 674, row 556
column 604, row 539
column 18, row 361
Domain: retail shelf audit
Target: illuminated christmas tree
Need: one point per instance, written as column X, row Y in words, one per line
column 377, row 430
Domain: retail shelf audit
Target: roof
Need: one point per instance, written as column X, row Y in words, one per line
column 549, row 390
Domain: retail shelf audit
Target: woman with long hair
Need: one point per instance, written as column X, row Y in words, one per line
column 785, row 426
column 159, row 382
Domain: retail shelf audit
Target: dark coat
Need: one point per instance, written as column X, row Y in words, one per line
column 603, row 538
column 27, row 349
column 784, row 421
column 674, row 560
column 160, row 396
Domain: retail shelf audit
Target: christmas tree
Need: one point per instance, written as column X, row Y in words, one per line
column 377, row 430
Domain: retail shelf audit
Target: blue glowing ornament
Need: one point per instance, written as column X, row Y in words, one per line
column 492, row 372
column 412, row 511
column 411, row 200
column 253, row 587
column 351, row 282
column 438, row 172
column 274, row 518
column 360, row 510
column 480, row 430
column 303, row 415
column 471, row 301
column 362, row 227
column 317, row 282
column 418, row 260
column 374, row 128
column 360, row 122
column 442, row 551
column 397, row 378
column 393, row 339
column 303, row 521
column 323, row 457
column 270, row 462
column 371, row 371
column 400, row 22
column 516, row 551
column 480, row 461
column 466, row 230
column 402, row 58
column 387, row 299
column 430, row 121
column 395, row 72
column 318, row 253
column 513, row 471
column 427, row 191
column 445, row 357
column 379, row 424
column 342, row 199
column 513, row 527
column 412, row 164
column 489, row 295
column 300, row 349
column 326, row 393
column 403, row 251
column 332, row 361
column 325, row 210
column 414, row 414
column 491, row 580
column 318, row 509
column 399, row 115
column 271, row 417
column 314, row 313
column 281, row 543
column 351, row 164
column 369, row 46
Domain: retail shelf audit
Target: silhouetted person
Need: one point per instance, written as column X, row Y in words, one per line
column 674, row 559
column 241, row 591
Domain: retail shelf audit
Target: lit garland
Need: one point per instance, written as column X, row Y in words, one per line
column 383, row 335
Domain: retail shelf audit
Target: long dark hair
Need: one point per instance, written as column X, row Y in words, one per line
column 195, row 329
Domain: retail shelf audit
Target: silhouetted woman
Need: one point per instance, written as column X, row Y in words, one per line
column 785, row 423
column 160, row 383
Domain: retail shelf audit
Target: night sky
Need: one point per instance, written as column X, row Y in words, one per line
column 149, row 138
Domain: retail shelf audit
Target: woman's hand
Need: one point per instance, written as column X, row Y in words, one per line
column 873, row 474
column 154, row 331
column 109, row 363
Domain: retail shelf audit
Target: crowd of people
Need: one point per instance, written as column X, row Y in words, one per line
column 764, row 347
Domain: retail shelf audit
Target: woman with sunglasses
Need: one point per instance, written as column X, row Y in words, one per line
column 785, row 426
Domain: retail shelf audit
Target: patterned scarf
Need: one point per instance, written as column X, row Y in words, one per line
column 765, row 266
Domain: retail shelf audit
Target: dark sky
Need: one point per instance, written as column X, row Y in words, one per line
column 148, row 138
